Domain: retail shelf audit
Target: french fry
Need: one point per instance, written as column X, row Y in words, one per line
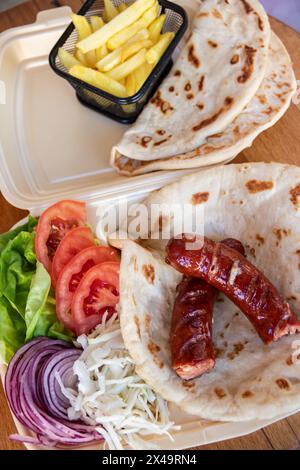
column 110, row 61
column 91, row 58
column 156, row 27
column 101, row 52
column 141, row 74
column 140, row 36
column 123, row 70
column 133, row 48
column 130, row 84
column 137, row 78
column 114, row 58
column 147, row 71
column 122, row 7
column 123, row 20
column 155, row 52
column 124, row 35
column 96, row 23
column 140, row 77
column 84, row 30
column 67, row 59
column 81, row 57
column 82, row 26
column 99, row 80
column 110, row 10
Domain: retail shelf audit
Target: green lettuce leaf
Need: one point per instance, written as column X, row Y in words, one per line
column 27, row 307
column 17, row 265
column 28, row 227
column 40, row 314
column 12, row 331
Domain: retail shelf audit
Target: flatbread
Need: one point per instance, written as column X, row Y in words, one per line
column 270, row 102
column 260, row 205
column 217, row 74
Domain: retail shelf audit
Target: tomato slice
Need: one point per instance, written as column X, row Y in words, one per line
column 73, row 242
column 72, row 274
column 97, row 293
column 53, row 225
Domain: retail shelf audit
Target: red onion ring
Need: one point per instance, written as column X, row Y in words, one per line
column 35, row 397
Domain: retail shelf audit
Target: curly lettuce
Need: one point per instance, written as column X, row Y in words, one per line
column 27, row 306
column 40, row 314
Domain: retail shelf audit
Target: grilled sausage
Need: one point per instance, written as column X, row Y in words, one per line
column 228, row 271
column 192, row 348
column 235, row 245
column 191, row 343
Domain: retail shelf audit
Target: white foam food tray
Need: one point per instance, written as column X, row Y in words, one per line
column 51, row 147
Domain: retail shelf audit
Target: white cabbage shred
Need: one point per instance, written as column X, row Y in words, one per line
column 111, row 396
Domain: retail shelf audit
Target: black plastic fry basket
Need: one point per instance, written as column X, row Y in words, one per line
column 124, row 110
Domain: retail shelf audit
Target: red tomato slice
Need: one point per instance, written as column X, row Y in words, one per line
column 97, row 293
column 72, row 274
column 53, row 225
column 73, row 242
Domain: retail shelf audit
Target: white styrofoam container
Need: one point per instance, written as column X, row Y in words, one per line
column 51, row 148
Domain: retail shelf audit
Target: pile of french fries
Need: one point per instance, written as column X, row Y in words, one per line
column 118, row 52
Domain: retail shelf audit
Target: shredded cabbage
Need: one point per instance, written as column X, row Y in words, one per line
column 111, row 396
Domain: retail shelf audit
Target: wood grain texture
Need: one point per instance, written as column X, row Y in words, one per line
column 281, row 144
column 255, row 441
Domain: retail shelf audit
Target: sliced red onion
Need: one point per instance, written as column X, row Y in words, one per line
column 59, row 361
column 35, row 396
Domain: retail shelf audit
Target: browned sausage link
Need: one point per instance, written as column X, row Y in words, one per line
column 235, row 244
column 191, row 329
column 227, row 270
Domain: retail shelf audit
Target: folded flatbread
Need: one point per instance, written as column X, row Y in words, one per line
column 258, row 204
column 270, row 102
column 216, row 75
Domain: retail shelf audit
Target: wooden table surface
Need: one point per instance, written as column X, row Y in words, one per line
column 280, row 144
